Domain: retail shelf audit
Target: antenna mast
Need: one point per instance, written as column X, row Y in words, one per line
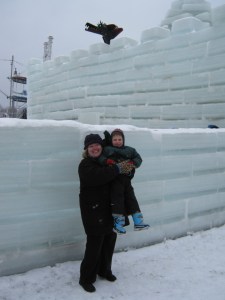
column 48, row 49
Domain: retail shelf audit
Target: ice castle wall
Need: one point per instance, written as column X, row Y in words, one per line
column 180, row 188
column 173, row 78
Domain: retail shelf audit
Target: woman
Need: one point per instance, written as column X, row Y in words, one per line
column 96, row 215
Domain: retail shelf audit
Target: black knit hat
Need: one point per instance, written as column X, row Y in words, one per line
column 92, row 139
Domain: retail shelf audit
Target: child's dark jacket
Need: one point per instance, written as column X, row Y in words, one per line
column 120, row 154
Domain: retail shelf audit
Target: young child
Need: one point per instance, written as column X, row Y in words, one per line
column 123, row 199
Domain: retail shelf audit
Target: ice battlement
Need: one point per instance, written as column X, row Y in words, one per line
column 173, row 78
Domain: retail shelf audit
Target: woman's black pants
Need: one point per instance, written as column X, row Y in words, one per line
column 97, row 257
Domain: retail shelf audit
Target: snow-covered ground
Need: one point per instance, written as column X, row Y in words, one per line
column 189, row 268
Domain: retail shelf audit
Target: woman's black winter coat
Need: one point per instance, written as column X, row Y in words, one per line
column 95, row 196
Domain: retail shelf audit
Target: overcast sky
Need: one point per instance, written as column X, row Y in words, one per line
column 26, row 24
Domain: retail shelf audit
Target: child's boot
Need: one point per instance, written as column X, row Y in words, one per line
column 119, row 222
column 139, row 221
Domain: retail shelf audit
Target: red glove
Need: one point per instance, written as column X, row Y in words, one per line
column 110, row 161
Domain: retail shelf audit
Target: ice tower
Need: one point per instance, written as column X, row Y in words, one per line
column 181, row 9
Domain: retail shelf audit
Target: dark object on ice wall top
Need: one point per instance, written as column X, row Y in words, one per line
column 213, row 126
column 108, row 32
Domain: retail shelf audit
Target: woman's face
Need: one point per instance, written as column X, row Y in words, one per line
column 94, row 150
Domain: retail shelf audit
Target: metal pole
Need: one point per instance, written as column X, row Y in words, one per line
column 11, row 88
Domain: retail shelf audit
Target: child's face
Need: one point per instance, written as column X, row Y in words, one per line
column 117, row 141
